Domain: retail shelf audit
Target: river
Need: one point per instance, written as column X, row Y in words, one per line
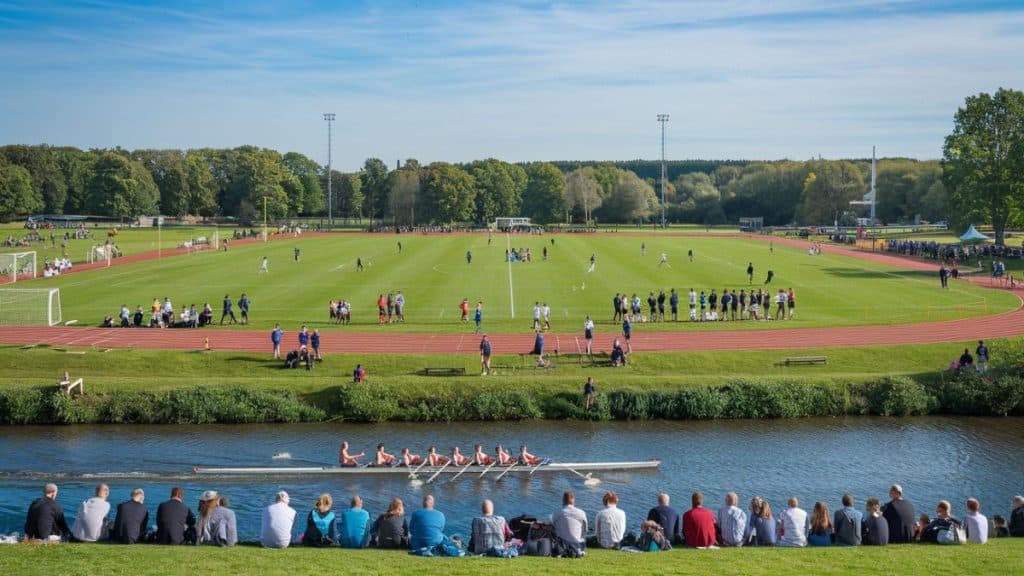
column 815, row 459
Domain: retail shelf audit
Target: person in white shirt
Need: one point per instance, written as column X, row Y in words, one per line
column 975, row 523
column 92, row 524
column 278, row 522
column 536, row 316
column 571, row 523
column 610, row 522
column 547, row 316
column 732, row 521
column 793, row 525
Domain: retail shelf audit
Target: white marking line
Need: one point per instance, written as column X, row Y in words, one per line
column 335, row 269
column 435, row 269
column 441, row 315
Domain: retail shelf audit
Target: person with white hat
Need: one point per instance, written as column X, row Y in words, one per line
column 278, row 523
column 217, row 524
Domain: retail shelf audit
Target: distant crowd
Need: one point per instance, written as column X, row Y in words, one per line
column 162, row 314
column 706, row 306
column 568, row 533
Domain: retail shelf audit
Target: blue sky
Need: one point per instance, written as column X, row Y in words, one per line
column 530, row 80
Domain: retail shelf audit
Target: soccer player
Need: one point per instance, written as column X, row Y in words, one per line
column 359, row 264
column 536, row 315
column 588, row 334
column 263, row 266
column 768, row 280
column 750, row 273
column 546, row 312
column 469, row 257
column 689, row 254
column 478, row 316
column 673, row 301
column 243, row 307
column 297, row 253
column 464, row 309
column 400, row 304
column 227, row 311
column 664, row 260
column 643, row 249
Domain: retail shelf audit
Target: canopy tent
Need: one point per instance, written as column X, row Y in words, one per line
column 972, row 236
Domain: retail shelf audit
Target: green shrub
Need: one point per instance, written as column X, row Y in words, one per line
column 22, row 407
column 364, row 403
column 899, row 396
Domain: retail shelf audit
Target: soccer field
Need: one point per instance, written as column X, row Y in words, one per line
column 434, row 275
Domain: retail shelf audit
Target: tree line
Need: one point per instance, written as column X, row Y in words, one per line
column 980, row 180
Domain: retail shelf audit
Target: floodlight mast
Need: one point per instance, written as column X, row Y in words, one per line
column 663, row 118
column 329, row 117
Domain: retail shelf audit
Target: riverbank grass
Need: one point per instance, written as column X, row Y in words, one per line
column 1003, row 556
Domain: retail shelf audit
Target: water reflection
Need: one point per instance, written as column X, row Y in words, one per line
column 933, row 458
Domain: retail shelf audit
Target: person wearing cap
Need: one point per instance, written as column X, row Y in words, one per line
column 91, row 523
column 173, row 518
column 899, row 514
column 278, row 523
column 46, row 516
column 354, row 528
column 1016, row 526
column 217, row 524
column 131, row 520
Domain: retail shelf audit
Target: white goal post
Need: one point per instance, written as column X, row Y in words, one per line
column 30, row 307
column 16, row 266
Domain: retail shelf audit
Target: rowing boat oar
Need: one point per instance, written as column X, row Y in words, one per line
column 431, row 479
column 507, row 470
column 488, row 469
column 461, row 471
column 412, row 475
column 539, row 464
column 588, row 478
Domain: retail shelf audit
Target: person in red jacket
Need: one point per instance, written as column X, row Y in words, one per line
column 699, row 524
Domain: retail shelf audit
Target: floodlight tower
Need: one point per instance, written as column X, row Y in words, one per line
column 329, row 117
column 874, row 192
column 662, row 118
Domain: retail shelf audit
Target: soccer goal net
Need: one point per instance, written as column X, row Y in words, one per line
column 30, row 306
column 16, row 266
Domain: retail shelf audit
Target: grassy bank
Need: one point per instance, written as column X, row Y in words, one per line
column 1004, row 556
column 141, row 386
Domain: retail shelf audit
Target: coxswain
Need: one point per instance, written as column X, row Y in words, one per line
column 458, row 459
column 526, row 458
column 346, row 459
column 383, row 458
column 410, row 459
column 480, row 458
column 436, row 459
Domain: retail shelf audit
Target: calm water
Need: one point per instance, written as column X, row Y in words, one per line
column 814, row 459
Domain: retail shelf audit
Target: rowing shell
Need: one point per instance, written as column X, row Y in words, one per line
column 427, row 470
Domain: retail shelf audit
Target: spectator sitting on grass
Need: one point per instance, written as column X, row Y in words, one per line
column 359, row 374
column 291, row 360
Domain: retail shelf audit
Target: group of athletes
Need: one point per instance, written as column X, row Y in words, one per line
column 406, row 458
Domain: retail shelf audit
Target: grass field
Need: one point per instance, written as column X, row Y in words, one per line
column 1002, row 556
column 433, row 273
column 129, row 240
column 133, row 369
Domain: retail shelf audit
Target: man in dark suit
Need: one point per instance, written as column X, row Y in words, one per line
column 667, row 517
column 46, row 516
column 173, row 518
column 899, row 515
column 131, row 520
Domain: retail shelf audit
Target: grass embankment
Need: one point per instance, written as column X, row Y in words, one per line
column 434, row 276
column 1003, row 556
column 147, row 386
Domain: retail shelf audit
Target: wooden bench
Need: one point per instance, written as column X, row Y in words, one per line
column 449, row 371
column 805, row 360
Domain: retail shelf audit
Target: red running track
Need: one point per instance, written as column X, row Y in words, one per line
column 773, row 338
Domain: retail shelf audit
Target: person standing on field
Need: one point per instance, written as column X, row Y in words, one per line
column 275, row 338
column 227, row 310
column 485, row 356
column 243, row 307
column 478, row 316
column 588, row 334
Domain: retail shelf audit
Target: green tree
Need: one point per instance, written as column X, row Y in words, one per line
column 120, row 187
column 42, row 164
column 499, row 187
column 202, row 186
column 983, row 160
column 257, row 174
column 17, row 196
column 375, row 187
column 449, row 192
column 544, row 197
column 631, row 198
column 167, row 168
column 404, row 189
column 308, row 173
column 828, row 190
